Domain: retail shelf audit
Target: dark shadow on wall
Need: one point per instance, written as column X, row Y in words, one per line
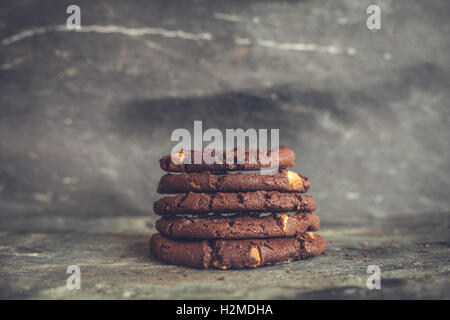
column 317, row 124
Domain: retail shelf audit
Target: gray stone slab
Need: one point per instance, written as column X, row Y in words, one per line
column 115, row 263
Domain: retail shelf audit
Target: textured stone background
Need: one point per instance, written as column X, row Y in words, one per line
column 84, row 117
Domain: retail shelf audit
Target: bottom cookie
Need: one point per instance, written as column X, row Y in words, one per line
column 236, row 254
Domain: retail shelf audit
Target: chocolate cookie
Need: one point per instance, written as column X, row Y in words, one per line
column 286, row 160
column 236, row 254
column 242, row 226
column 257, row 201
column 285, row 181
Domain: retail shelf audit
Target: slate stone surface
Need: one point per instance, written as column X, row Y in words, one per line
column 84, row 117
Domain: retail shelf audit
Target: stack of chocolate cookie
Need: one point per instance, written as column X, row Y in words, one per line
column 231, row 220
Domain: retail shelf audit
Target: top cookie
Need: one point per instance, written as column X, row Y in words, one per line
column 286, row 160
